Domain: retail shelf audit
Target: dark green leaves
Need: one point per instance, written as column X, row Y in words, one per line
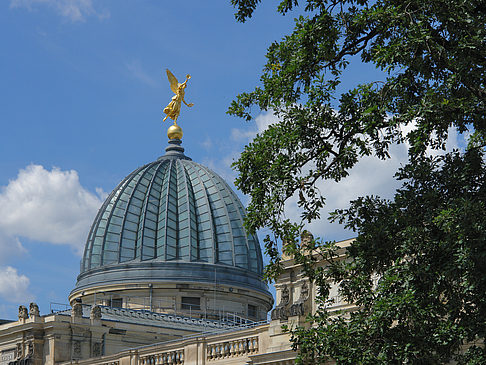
column 417, row 271
column 418, row 265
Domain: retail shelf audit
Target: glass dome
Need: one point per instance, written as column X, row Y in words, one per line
column 172, row 219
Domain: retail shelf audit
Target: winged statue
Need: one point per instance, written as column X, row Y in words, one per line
column 174, row 108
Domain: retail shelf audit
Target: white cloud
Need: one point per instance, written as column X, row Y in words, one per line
column 48, row 206
column 207, row 143
column 137, row 72
column 74, row 10
column 370, row 176
column 262, row 122
column 10, row 247
column 14, row 287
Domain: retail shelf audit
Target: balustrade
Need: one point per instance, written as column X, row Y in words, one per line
column 232, row 348
column 164, row 358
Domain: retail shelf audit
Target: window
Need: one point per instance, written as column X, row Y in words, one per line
column 191, row 303
column 116, row 303
column 252, row 311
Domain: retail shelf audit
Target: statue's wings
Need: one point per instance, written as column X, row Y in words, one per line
column 174, row 84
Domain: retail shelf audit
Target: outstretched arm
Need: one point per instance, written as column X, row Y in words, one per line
column 189, row 105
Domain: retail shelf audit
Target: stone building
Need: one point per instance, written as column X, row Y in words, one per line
column 168, row 276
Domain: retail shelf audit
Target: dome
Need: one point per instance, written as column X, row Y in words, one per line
column 171, row 220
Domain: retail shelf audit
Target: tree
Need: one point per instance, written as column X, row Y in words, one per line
column 433, row 54
column 417, row 272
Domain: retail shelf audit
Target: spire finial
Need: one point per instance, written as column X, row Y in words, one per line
column 174, row 132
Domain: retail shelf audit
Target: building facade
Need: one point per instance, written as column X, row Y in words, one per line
column 168, row 276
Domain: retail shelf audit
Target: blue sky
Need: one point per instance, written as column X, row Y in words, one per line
column 82, row 88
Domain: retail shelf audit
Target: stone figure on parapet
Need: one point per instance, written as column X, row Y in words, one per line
column 34, row 310
column 23, row 313
column 77, row 310
column 174, row 108
column 95, row 312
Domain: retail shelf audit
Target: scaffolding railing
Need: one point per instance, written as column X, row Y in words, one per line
column 228, row 318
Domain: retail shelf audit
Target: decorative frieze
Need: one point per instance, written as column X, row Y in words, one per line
column 299, row 308
column 233, row 348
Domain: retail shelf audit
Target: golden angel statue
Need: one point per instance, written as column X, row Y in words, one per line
column 174, row 108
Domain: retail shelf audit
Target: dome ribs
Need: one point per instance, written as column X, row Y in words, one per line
column 221, row 221
column 192, row 218
column 254, row 257
column 139, row 197
column 183, row 214
column 129, row 230
column 150, row 213
column 170, row 244
column 172, row 209
column 88, row 252
column 103, row 222
column 240, row 240
column 206, row 235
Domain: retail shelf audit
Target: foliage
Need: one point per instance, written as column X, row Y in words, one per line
column 433, row 55
column 417, row 272
column 427, row 244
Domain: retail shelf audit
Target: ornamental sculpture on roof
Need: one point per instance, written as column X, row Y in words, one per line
column 174, row 108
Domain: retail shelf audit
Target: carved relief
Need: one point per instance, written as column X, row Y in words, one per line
column 97, row 349
column 285, row 298
column 34, row 310
column 299, row 308
column 281, row 311
column 30, row 352
column 95, row 312
column 20, row 351
column 304, row 291
column 23, row 313
column 76, row 348
column 77, row 310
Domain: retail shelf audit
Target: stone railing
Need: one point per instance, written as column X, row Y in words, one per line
column 163, row 358
column 234, row 348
